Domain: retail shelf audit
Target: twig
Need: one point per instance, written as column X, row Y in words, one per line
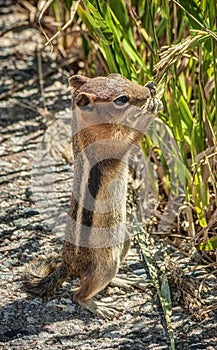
column 73, row 10
column 47, row 4
column 40, row 75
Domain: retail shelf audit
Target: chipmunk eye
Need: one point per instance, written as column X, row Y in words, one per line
column 121, row 100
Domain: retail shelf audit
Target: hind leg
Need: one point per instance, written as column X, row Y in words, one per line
column 91, row 285
column 129, row 282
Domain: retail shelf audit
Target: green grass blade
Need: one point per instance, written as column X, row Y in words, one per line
column 162, row 288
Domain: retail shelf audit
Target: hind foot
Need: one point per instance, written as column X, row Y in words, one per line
column 130, row 282
column 100, row 309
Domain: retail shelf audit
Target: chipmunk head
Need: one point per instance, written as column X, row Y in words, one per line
column 113, row 100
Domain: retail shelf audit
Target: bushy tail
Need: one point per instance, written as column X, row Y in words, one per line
column 44, row 277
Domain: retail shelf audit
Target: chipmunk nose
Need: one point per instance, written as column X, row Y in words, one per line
column 150, row 85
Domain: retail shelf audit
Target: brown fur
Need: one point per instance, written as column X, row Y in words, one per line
column 96, row 267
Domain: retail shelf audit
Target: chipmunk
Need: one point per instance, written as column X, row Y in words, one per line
column 110, row 116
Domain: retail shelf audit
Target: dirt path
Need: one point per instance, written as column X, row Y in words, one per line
column 27, row 232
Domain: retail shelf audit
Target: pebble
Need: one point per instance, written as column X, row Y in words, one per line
column 70, row 308
column 107, row 300
column 52, row 302
column 30, row 211
column 37, row 301
column 113, row 334
column 5, row 204
column 66, row 301
column 44, row 335
column 30, row 319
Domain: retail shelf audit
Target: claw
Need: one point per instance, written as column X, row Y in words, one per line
column 102, row 310
column 130, row 282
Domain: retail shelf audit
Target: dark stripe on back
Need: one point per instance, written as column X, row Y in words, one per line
column 94, row 185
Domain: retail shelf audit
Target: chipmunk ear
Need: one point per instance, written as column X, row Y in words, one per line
column 82, row 100
column 77, row 80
